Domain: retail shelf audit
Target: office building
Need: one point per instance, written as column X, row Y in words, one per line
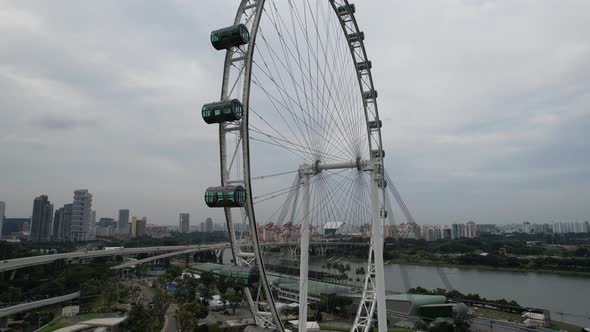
column 208, row 225
column 526, row 227
column 183, row 223
column 2, row 211
column 486, row 228
column 455, row 231
column 470, row 230
column 202, row 227
column 62, row 223
column 13, row 227
column 133, row 226
column 42, row 219
column 123, row 223
column 140, row 227
column 93, row 225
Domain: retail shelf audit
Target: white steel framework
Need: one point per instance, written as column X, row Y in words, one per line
column 235, row 160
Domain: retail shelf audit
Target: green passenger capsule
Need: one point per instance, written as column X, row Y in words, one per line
column 229, row 37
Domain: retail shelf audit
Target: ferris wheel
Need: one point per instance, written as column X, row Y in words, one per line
column 298, row 100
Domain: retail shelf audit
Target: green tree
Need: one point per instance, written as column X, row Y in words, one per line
column 140, row 319
column 173, row 272
column 234, row 300
column 207, row 279
column 188, row 315
column 161, row 300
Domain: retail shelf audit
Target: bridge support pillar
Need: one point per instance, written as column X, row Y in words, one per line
column 3, row 322
column 292, row 251
column 219, row 256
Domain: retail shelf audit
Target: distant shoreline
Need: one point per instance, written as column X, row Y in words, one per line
column 491, row 268
column 580, row 274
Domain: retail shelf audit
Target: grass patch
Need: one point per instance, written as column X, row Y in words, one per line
column 497, row 314
column 90, row 315
column 564, row 326
column 55, row 324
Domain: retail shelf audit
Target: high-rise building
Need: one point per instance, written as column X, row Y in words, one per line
column 486, row 228
column 470, row 229
column 2, row 211
column 42, row 219
column 140, row 227
column 81, row 216
column 526, row 227
column 133, row 226
column 62, row 222
column 123, row 223
column 208, row 225
column 93, row 225
column 183, row 223
column 14, row 226
column 455, row 231
column 202, row 227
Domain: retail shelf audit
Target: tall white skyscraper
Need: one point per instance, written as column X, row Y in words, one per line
column 81, row 216
column 123, row 223
column 2, row 211
column 183, row 223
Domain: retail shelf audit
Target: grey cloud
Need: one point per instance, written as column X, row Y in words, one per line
column 485, row 105
column 58, row 123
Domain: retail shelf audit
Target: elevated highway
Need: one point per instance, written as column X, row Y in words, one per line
column 15, row 309
column 19, row 263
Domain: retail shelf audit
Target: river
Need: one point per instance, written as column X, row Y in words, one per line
column 559, row 294
column 567, row 297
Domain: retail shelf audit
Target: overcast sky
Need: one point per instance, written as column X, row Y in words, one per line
column 486, row 105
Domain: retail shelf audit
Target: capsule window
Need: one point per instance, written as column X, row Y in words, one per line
column 228, row 196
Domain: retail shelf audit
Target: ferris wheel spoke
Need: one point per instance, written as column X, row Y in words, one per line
column 297, row 86
column 330, row 90
column 296, row 147
column 295, row 116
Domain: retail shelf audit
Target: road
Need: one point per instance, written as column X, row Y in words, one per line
column 491, row 325
column 170, row 325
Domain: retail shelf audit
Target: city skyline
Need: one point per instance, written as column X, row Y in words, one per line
column 174, row 220
column 488, row 129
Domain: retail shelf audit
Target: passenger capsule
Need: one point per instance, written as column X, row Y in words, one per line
column 228, row 196
column 365, row 65
column 375, row 154
column 240, row 275
column 383, row 213
column 375, row 124
column 229, row 37
column 370, row 94
column 356, row 37
column 222, row 111
column 346, row 9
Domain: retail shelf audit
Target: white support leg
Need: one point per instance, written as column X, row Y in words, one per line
column 303, row 264
column 377, row 235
